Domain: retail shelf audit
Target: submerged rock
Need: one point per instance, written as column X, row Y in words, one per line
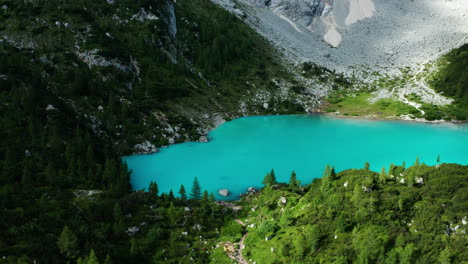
column 223, row 192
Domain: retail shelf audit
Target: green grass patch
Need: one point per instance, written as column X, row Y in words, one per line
column 359, row 105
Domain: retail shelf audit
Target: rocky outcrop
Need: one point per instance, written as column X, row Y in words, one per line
column 223, row 192
column 145, row 148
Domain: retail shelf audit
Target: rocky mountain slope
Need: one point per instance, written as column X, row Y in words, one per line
column 343, row 34
column 387, row 45
column 148, row 73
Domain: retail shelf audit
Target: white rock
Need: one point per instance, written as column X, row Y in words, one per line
column 171, row 141
column 50, row 107
column 203, row 139
column 265, row 105
column 100, row 108
column 58, row 24
column 345, row 184
column 223, row 192
column 402, row 181
column 282, row 200
column 420, row 180
column 132, row 230
column 464, row 220
column 5, row 7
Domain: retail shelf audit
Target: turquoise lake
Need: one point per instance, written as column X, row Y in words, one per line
column 242, row 151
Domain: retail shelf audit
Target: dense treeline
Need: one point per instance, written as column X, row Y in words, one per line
column 399, row 215
column 451, row 79
column 82, row 82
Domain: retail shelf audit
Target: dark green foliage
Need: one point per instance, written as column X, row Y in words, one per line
column 68, row 243
column 451, row 79
column 294, row 183
column 153, row 189
column 269, row 179
column 367, row 166
column 196, row 192
column 357, row 218
column 182, row 193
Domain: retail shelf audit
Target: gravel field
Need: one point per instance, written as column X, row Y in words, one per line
column 376, row 35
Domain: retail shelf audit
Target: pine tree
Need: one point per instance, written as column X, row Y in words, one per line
column 269, row 179
column 444, row 257
column 118, row 226
column 108, row 260
column 183, row 195
column 172, row 214
column 68, row 243
column 92, row 259
column 333, row 175
column 416, row 162
column 438, row 158
column 293, row 182
column 382, row 176
column 153, row 189
column 327, row 171
column 367, row 166
column 391, row 169
column 171, row 196
column 196, row 190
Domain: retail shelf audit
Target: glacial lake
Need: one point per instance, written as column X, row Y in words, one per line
column 240, row 152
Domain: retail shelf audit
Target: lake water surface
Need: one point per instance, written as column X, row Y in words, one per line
column 242, row 151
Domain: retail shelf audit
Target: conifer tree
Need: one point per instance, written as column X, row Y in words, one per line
column 391, row 169
column 196, row 190
column 333, row 175
column 182, row 192
column 172, row 214
column 382, row 176
column 171, row 195
column 293, row 182
column 269, row 179
column 68, row 243
column 416, row 162
column 153, row 189
column 327, row 171
column 108, row 260
column 92, row 259
column 367, row 165
column 438, row 158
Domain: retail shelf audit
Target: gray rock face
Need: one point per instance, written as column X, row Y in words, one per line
column 378, row 35
column 301, row 11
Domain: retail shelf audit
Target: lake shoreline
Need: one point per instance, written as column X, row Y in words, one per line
column 392, row 118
